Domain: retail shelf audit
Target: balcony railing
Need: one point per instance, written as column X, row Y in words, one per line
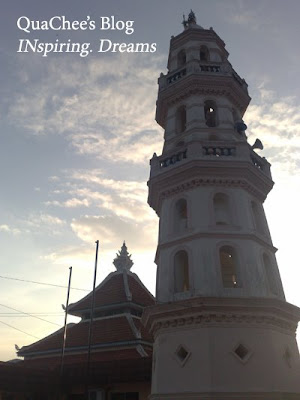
column 219, row 151
column 210, row 68
column 211, row 152
column 175, row 77
column 175, row 158
column 199, row 67
column 257, row 162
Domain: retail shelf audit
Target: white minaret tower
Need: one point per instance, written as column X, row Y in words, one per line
column 222, row 327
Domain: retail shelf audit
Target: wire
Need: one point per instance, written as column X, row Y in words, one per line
column 30, row 315
column 52, row 314
column 13, row 327
column 42, row 283
column 19, row 315
column 15, row 316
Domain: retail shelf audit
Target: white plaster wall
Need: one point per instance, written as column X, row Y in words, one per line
column 195, row 118
column 212, row 366
column 202, row 239
column 192, row 49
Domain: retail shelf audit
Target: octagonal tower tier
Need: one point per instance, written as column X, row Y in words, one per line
column 222, row 326
column 209, row 184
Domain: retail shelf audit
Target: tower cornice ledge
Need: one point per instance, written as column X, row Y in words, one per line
column 187, row 236
column 212, row 311
column 194, row 173
column 227, row 396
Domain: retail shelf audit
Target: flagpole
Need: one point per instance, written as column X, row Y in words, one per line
column 92, row 315
column 65, row 325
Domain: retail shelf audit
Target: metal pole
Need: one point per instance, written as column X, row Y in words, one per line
column 92, row 316
column 64, row 338
column 65, row 325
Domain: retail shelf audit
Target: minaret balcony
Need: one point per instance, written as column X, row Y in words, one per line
column 201, row 68
column 209, row 151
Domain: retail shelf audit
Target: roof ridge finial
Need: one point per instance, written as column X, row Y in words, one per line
column 123, row 261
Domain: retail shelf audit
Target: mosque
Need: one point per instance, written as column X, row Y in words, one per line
column 219, row 327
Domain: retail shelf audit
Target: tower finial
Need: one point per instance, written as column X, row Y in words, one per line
column 192, row 17
column 123, row 261
column 191, row 21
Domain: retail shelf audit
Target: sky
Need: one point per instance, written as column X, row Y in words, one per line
column 77, row 134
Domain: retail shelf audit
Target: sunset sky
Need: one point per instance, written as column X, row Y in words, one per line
column 77, row 134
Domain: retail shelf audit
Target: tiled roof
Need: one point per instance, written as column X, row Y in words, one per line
column 113, row 291
column 144, row 333
column 140, row 294
column 106, row 331
column 129, row 353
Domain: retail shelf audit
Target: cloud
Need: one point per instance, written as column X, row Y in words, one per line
column 9, row 229
column 70, row 203
column 90, row 104
column 41, row 219
column 276, row 121
column 77, row 256
column 94, row 189
column 112, row 229
column 241, row 12
column 136, row 150
column 39, row 224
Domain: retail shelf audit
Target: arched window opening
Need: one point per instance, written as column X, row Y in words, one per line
column 210, row 112
column 181, row 58
column 222, row 209
column 180, row 215
column 258, row 217
column 270, row 274
column 181, row 270
column 228, row 267
column 181, row 119
column 204, row 53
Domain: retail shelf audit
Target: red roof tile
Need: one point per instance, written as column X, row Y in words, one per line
column 113, row 291
column 105, row 331
column 140, row 294
column 99, row 356
column 144, row 333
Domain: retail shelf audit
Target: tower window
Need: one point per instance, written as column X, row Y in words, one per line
column 270, row 274
column 181, row 119
column 241, row 352
column 228, row 267
column 182, row 355
column 180, row 215
column 204, row 53
column 181, row 58
column 181, row 271
column 210, row 112
column 222, row 209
